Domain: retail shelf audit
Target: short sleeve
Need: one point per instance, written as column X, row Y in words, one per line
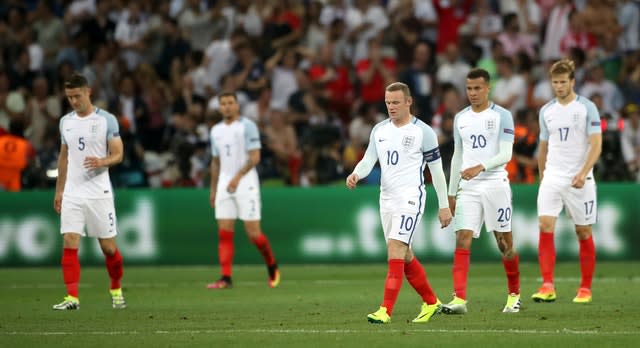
column 62, row 139
column 593, row 119
column 544, row 132
column 113, row 130
column 506, row 126
column 251, row 135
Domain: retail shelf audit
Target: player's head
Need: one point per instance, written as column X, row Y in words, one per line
column 562, row 78
column 78, row 93
column 478, row 87
column 229, row 107
column 398, row 99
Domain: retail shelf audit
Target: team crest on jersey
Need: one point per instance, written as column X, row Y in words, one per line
column 490, row 124
column 94, row 128
column 576, row 117
column 408, row 140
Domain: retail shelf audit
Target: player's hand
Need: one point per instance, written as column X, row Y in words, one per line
column 57, row 202
column 233, row 184
column 93, row 162
column 352, row 180
column 212, row 198
column 578, row 181
column 445, row 217
column 452, row 204
column 471, row 172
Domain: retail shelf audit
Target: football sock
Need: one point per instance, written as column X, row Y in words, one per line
column 546, row 256
column 393, row 283
column 114, row 267
column 225, row 251
column 294, row 164
column 513, row 274
column 71, row 270
column 262, row 243
column 461, row 258
column 587, row 261
column 417, row 277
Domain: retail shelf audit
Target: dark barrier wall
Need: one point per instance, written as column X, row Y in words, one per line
column 317, row 225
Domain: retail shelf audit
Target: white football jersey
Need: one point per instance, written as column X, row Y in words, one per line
column 566, row 128
column 232, row 143
column 480, row 134
column 87, row 137
column 403, row 153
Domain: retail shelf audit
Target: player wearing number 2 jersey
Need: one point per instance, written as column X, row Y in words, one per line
column 483, row 138
column 403, row 145
column 570, row 144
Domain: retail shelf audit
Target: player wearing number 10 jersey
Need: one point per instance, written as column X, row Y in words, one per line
column 570, row 144
column 483, row 141
column 403, row 145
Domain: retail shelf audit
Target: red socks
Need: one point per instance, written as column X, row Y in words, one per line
column 461, row 258
column 225, row 251
column 393, row 283
column 262, row 243
column 547, row 256
column 513, row 274
column 417, row 277
column 587, row 261
column 71, row 270
column 114, row 267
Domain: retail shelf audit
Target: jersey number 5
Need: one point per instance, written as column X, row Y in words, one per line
column 81, row 144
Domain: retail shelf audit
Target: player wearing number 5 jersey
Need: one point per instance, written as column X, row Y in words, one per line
column 403, row 145
column 84, row 197
column 479, row 190
column 570, row 144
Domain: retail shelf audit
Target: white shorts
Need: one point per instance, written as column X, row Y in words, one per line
column 400, row 217
column 243, row 204
column 483, row 201
column 97, row 215
column 581, row 204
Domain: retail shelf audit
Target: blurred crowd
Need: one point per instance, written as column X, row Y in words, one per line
column 310, row 73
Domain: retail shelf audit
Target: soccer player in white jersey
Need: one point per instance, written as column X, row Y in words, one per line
column 570, row 144
column 235, row 187
column 403, row 145
column 84, row 196
column 479, row 190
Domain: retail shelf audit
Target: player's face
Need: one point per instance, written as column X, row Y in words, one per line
column 477, row 91
column 79, row 98
column 562, row 85
column 398, row 106
column 229, row 107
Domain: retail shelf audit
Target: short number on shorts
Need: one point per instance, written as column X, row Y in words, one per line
column 479, row 141
column 392, row 157
column 564, row 133
column 406, row 222
column 110, row 219
column 588, row 207
column 504, row 214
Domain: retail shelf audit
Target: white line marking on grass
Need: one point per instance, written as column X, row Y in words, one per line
column 563, row 331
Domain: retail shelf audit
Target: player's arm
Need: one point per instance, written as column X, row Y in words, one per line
column 115, row 151
column 434, row 161
column 214, row 168
column 364, row 167
column 62, row 176
column 456, row 164
column 252, row 143
column 595, row 146
column 543, row 145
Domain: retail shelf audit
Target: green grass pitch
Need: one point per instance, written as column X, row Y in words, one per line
column 315, row 306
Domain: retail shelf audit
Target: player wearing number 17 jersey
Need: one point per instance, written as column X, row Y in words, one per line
column 483, row 141
column 403, row 145
column 570, row 144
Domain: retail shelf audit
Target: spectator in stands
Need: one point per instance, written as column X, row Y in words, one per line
column 510, row 90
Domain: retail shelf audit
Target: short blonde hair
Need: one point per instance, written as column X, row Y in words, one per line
column 563, row 66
